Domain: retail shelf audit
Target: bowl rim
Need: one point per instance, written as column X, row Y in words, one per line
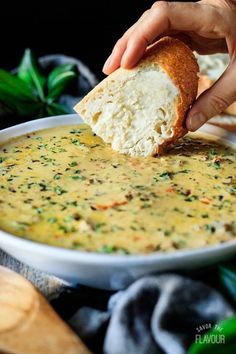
column 96, row 257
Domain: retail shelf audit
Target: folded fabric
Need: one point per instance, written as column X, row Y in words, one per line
column 156, row 314
column 51, row 287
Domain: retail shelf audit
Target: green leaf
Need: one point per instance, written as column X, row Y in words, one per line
column 13, row 86
column 30, row 72
column 224, row 336
column 16, row 94
column 227, row 275
column 59, row 79
column 42, row 112
column 55, row 109
column 29, row 109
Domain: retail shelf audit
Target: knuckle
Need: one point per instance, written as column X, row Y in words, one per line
column 221, row 27
column 162, row 6
column 119, row 43
column 231, row 28
column 223, row 23
column 218, row 104
column 136, row 38
column 147, row 12
column 228, row 4
column 155, row 4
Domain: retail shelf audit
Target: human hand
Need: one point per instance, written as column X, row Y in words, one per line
column 209, row 27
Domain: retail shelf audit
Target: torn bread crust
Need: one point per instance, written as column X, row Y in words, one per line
column 212, row 67
column 225, row 121
column 140, row 111
column 205, row 83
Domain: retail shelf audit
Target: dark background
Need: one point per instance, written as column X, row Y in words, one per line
column 84, row 29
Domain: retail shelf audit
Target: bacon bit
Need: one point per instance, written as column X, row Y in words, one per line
column 186, row 192
column 150, row 248
column 137, row 238
column 173, row 189
column 203, row 158
column 109, row 206
column 170, row 189
column 205, row 200
column 228, row 180
column 135, row 162
column 217, row 159
column 129, row 196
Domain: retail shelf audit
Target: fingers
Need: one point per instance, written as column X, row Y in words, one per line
column 208, row 46
column 114, row 60
column 214, row 100
column 205, row 20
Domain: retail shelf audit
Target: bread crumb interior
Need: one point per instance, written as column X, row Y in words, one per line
column 135, row 110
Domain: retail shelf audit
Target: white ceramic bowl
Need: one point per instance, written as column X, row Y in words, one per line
column 105, row 270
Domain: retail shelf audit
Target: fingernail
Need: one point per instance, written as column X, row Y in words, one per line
column 196, row 121
column 107, row 63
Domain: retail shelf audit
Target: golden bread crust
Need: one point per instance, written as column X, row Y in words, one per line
column 178, row 61
column 224, row 121
column 230, row 128
column 205, row 83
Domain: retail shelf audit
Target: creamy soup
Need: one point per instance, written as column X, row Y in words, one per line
column 65, row 187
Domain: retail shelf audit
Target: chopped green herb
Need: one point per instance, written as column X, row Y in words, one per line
column 178, row 244
column 191, row 198
column 2, row 159
column 59, row 190
column 232, row 190
column 216, row 164
column 97, row 227
column 212, row 153
column 107, row 249
column 43, row 186
column 73, row 164
column 39, row 210
column 76, row 131
column 163, row 176
column 52, row 220
column 77, row 177
column 57, row 176
column 75, row 141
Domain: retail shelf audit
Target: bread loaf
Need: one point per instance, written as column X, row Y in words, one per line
column 211, row 68
column 141, row 110
column 225, row 121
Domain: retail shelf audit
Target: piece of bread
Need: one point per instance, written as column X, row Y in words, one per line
column 205, row 82
column 141, row 110
column 211, row 68
column 225, row 121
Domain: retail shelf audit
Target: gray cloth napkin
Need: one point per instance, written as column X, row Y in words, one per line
column 156, row 314
column 50, row 286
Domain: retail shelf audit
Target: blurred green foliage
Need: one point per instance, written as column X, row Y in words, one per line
column 30, row 92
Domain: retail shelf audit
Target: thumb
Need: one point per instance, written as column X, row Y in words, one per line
column 214, row 100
